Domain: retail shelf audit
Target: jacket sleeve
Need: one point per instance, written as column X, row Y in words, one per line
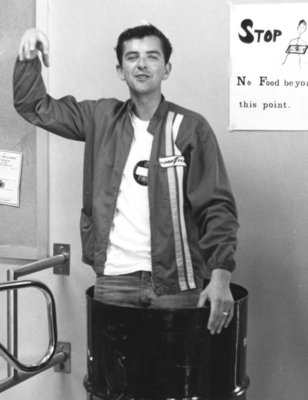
column 65, row 117
column 211, row 199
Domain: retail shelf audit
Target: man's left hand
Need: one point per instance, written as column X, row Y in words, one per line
column 218, row 293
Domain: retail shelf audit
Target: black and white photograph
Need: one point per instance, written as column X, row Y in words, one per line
column 153, row 200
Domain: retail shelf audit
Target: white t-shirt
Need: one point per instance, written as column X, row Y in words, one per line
column 129, row 247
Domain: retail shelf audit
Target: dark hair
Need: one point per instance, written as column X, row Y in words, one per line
column 302, row 21
column 139, row 32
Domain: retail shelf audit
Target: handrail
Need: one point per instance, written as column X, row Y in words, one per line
column 52, row 327
column 15, row 375
column 15, row 273
column 59, row 358
column 39, row 265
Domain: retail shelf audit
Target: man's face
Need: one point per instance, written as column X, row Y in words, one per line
column 301, row 28
column 143, row 65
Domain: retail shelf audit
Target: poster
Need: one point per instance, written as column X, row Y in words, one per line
column 10, row 173
column 269, row 67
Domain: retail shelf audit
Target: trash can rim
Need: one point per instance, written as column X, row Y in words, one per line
column 239, row 293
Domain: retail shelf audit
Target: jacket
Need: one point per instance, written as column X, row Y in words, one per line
column 193, row 218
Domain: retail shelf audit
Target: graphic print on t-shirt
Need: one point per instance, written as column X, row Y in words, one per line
column 141, row 171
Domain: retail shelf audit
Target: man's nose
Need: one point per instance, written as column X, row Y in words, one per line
column 142, row 63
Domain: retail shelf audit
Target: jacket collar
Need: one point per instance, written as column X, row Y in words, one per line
column 157, row 117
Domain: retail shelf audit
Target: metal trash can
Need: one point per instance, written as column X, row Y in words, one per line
column 143, row 353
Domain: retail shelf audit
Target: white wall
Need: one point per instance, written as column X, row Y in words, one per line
column 268, row 171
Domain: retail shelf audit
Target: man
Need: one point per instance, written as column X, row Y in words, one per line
column 158, row 210
column 297, row 46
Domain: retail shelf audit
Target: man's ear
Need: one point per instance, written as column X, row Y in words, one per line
column 120, row 72
column 168, row 68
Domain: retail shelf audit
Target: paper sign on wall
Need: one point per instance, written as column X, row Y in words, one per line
column 10, row 173
column 269, row 67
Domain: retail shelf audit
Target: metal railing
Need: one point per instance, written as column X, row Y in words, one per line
column 52, row 327
column 18, row 372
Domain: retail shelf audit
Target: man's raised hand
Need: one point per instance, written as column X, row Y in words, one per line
column 32, row 42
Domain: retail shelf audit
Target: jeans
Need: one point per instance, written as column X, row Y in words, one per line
column 136, row 290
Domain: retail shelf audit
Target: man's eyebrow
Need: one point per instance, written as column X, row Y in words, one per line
column 155, row 52
column 133, row 52
column 130, row 53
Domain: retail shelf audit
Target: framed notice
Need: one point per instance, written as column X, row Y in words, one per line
column 10, row 173
column 269, row 66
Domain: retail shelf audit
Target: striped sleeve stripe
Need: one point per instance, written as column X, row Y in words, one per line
column 180, row 178
column 175, row 182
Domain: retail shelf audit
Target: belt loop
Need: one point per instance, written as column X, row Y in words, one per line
column 146, row 289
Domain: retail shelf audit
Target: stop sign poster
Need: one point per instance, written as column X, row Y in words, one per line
column 269, row 67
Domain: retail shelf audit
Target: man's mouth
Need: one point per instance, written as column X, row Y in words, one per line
column 142, row 77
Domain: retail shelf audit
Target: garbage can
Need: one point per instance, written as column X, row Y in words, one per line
column 144, row 353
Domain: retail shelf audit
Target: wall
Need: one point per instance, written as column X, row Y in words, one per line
column 14, row 135
column 268, row 171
